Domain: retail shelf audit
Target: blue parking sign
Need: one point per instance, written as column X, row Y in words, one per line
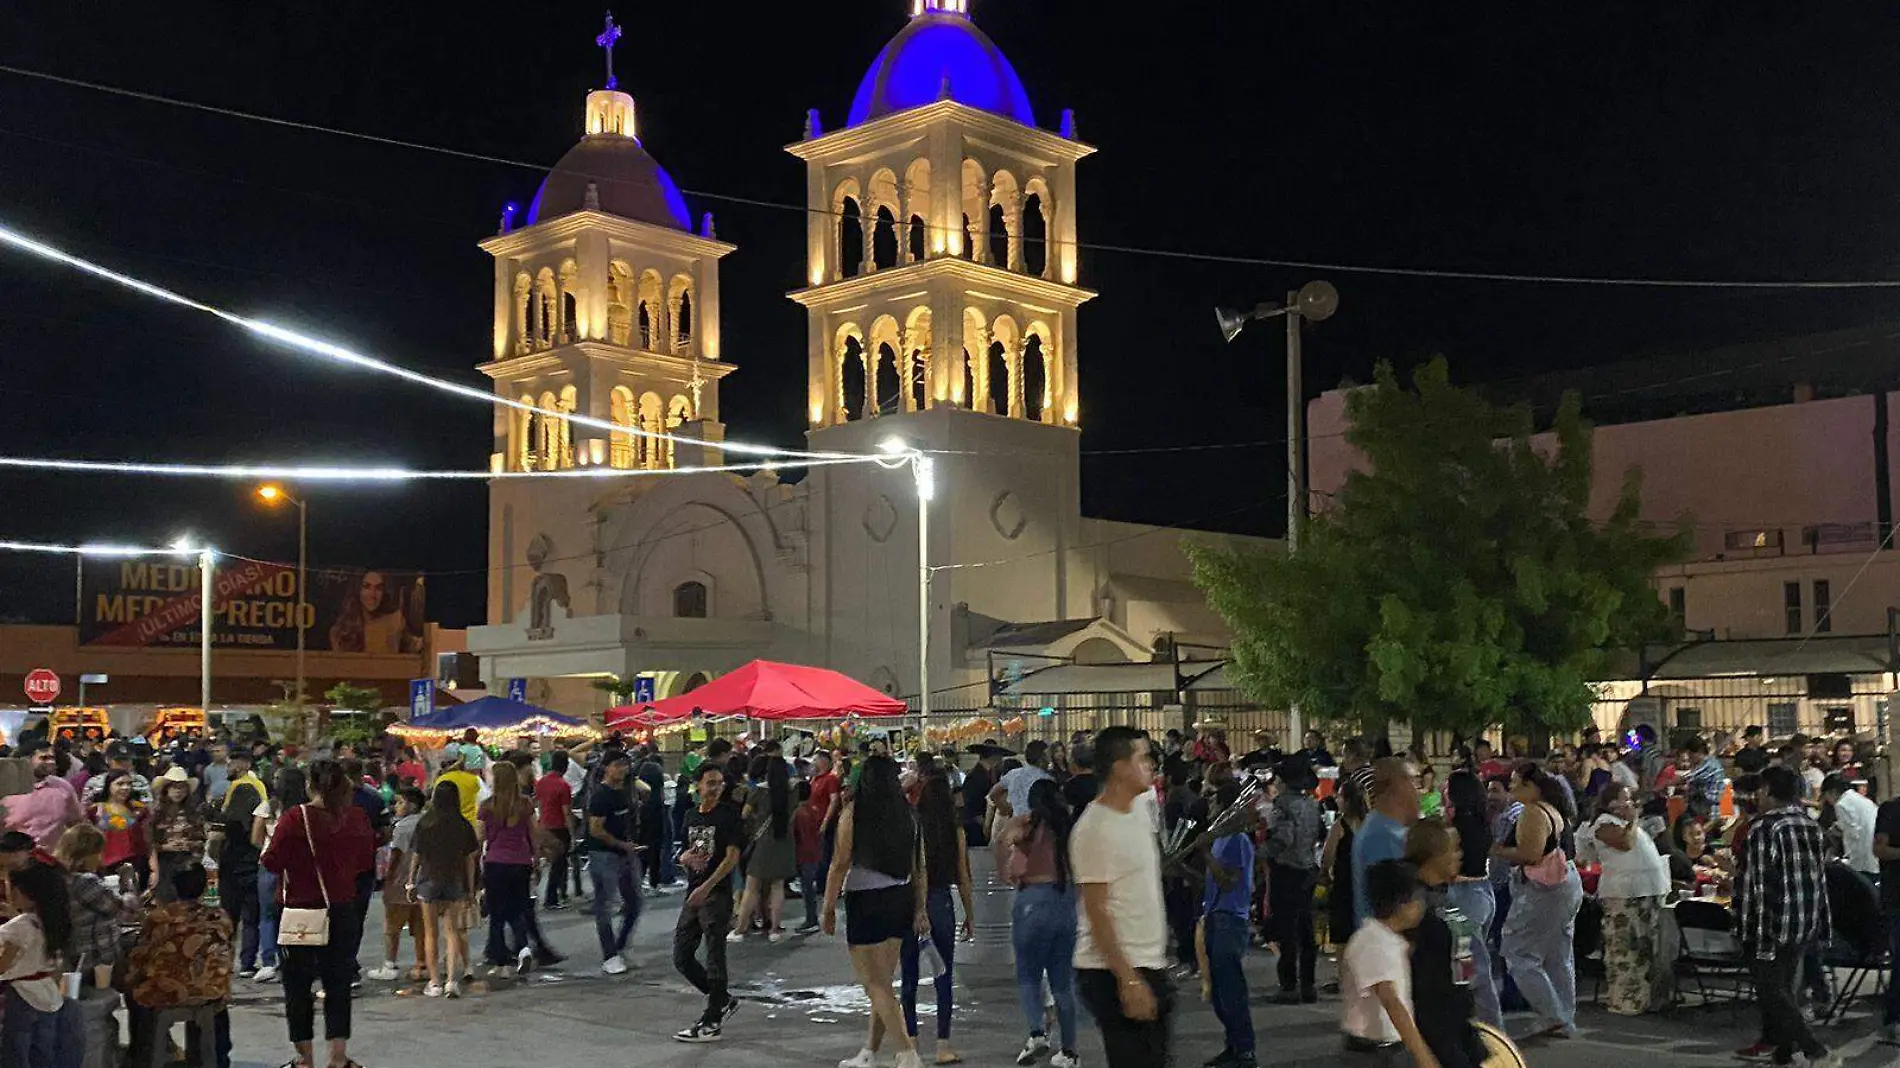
column 643, row 690
column 421, row 698
column 518, row 690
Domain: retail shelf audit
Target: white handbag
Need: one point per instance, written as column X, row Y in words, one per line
column 306, row 927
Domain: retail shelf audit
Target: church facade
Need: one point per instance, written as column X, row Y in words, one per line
column 942, row 298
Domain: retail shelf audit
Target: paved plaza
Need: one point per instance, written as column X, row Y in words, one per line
column 802, row 1008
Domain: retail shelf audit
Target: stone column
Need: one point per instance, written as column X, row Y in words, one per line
column 1014, row 360
column 1051, row 249
column 867, row 226
column 980, row 221
column 1013, row 223
column 977, row 340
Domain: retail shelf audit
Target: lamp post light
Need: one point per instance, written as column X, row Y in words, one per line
column 207, row 560
column 1312, row 303
column 271, row 493
column 923, row 471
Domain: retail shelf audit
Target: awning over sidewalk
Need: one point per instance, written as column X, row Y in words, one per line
column 1862, row 654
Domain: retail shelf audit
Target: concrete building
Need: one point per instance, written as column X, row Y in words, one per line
column 1782, row 456
column 943, row 288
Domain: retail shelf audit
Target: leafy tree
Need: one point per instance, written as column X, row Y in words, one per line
column 1456, row 581
column 618, row 690
column 355, row 730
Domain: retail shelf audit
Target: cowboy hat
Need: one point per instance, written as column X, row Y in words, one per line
column 989, row 749
column 174, row 774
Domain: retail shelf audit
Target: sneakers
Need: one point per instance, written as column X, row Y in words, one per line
column 702, row 1031
column 910, row 1058
column 1760, row 1051
column 266, row 974
column 865, row 1058
column 614, row 965
column 247, row 973
column 1033, row 1049
column 731, row 1009
column 809, row 928
column 386, row 972
column 555, row 905
column 775, row 938
column 433, row 990
column 454, row 991
column 524, row 962
column 734, row 937
column 1064, row 1059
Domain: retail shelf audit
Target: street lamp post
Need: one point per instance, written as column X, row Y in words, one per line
column 923, row 471
column 1312, row 303
column 207, row 562
column 271, row 494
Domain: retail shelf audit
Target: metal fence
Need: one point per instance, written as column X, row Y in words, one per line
column 1059, row 717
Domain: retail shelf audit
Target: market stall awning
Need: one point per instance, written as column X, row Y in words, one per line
column 493, row 717
column 764, row 689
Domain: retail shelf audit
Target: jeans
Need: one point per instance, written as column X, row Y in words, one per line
column 708, row 924
column 614, row 874
column 943, row 933
column 268, row 913
column 511, row 906
column 1042, row 932
column 1816, row 977
column 334, row 966
column 1290, row 903
column 1478, row 901
column 659, row 840
column 1540, row 947
column 35, row 1039
column 1182, row 901
column 242, row 903
column 1781, row 1023
column 1128, row 1043
column 811, row 889
column 1226, row 937
column 557, row 866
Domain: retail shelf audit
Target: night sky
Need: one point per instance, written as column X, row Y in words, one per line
column 1694, row 140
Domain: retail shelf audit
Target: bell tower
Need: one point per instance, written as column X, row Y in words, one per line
column 940, row 251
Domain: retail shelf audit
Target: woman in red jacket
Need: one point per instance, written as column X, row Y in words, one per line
column 318, row 851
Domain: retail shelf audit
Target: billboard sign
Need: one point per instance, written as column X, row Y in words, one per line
column 154, row 602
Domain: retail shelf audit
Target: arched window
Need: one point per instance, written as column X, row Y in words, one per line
column 620, row 303
column 918, row 380
column 646, row 327
column 999, row 378
column 850, row 239
column 969, row 246
column 686, row 316
column 524, row 310
column 916, row 238
column 652, row 420
column 890, row 388
column 621, row 411
column 855, row 380
column 884, row 240
column 997, row 234
column 1035, row 236
column 966, row 386
column 689, row 600
column 570, row 312
column 1035, row 378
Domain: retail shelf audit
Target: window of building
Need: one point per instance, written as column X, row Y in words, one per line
column 1791, row 606
column 1838, row 719
column 689, row 600
column 1756, row 540
column 1784, row 718
column 1823, row 607
column 1837, row 537
column 1688, row 720
column 1679, row 606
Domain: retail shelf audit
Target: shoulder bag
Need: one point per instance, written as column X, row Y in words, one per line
column 306, row 927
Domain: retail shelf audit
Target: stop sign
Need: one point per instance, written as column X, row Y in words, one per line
column 42, row 685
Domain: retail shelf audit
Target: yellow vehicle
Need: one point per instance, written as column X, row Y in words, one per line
column 170, row 722
column 74, row 723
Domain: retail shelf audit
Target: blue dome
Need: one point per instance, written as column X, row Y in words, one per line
column 911, row 70
column 626, row 180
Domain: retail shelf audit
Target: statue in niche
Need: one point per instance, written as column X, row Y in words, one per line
column 548, row 590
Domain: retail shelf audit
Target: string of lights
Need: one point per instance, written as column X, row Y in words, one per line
column 309, row 473
column 101, row 549
column 1529, row 278
column 328, row 350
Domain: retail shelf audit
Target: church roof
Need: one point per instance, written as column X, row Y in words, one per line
column 940, row 55
column 629, row 183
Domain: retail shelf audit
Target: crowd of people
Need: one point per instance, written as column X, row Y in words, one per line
column 1141, row 866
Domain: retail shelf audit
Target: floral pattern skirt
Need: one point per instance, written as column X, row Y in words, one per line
column 1635, row 968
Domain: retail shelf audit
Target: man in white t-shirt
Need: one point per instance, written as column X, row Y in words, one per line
column 1854, row 820
column 1121, row 945
column 1375, row 972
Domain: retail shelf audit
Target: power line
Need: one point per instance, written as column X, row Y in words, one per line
column 1528, row 278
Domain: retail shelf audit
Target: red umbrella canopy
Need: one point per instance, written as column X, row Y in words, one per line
column 764, row 689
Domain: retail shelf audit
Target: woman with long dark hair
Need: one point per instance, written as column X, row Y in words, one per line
column 1471, row 892
column 946, row 864
column 318, row 851
column 508, row 844
column 774, row 856
column 1540, row 930
column 442, row 878
column 178, row 832
column 289, row 790
column 1042, row 921
column 877, row 870
column 41, row 1028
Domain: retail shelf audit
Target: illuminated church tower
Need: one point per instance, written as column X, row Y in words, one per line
column 607, row 304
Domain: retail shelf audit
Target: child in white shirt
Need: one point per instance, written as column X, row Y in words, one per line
column 1376, row 969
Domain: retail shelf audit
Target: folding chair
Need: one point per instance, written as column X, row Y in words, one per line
column 1711, row 949
column 1860, row 936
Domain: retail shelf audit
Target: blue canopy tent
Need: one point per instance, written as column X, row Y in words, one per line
column 497, row 719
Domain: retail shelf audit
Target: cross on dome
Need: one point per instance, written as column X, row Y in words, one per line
column 919, row 8
column 611, row 34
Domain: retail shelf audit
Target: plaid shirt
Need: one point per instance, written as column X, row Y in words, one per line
column 97, row 914
column 1294, row 831
column 1782, row 898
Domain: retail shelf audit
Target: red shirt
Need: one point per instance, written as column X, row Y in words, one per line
column 555, row 797
column 808, row 822
column 823, row 789
column 412, row 773
column 345, row 849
